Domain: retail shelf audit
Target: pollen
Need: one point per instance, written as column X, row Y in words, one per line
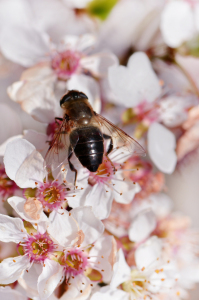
column 38, row 247
column 66, row 63
column 52, row 195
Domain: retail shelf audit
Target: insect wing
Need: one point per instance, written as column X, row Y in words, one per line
column 124, row 146
column 57, row 153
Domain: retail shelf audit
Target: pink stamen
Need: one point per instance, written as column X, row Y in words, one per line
column 66, row 63
column 38, row 247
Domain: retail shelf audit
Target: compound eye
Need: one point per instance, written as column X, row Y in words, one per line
column 65, row 98
column 82, row 95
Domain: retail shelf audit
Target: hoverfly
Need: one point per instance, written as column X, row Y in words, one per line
column 84, row 133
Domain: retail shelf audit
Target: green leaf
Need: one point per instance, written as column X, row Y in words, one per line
column 100, row 8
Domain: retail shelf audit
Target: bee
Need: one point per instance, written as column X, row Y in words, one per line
column 83, row 132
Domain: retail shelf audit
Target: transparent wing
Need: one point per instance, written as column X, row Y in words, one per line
column 122, row 142
column 57, row 153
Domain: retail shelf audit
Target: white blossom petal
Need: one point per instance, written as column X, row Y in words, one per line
column 23, row 163
column 177, row 23
column 17, row 204
column 49, row 279
column 88, row 223
column 74, row 288
column 4, row 145
column 148, row 253
column 8, row 128
column 161, row 147
column 136, row 82
column 99, row 197
column 36, row 98
column 110, row 293
column 28, row 280
column 62, row 219
column 104, row 252
column 99, row 63
column 126, row 190
column 87, row 85
column 11, row 268
column 121, row 271
column 11, row 229
column 82, row 43
column 24, row 45
column 142, row 226
column 6, row 293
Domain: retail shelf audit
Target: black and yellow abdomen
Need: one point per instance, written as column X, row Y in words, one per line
column 88, row 146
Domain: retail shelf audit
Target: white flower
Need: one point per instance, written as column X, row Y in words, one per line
column 33, row 46
column 98, row 189
column 161, row 147
column 57, row 253
column 177, row 23
column 13, row 230
column 148, row 277
column 135, row 83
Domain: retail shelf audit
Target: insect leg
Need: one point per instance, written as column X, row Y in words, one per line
column 110, row 147
column 70, row 153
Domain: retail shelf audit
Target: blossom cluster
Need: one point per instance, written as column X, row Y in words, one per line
column 113, row 233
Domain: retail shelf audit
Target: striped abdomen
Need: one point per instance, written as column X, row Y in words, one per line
column 87, row 143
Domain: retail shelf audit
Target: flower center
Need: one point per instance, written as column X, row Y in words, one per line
column 74, row 261
column 66, row 63
column 104, row 173
column 7, row 186
column 51, row 194
column 38, row 247
column 136, row 284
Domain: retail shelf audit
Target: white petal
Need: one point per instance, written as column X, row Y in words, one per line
column 8, row 128
column 177, row 23
column 126, row 190
column 11, row 229
column 49, row 279
column 23, row 163
column 29, row 280
column 87, row 85
column 110, row 293
column 24, row 45
column 77, row 3
column 36, row 98
column 148, row 253
column 134, row 83
column 161, row 148
column 173, row 110
column 37, row 139
column 104, row 252
column 4, row 145
column 141, row 227
column 100, row 197
column 121, row 271
column 6, row 293
column 99, row 63
column 88, row 223
column 76, row 285
column 17, row 204
column 11, row 268
column 59, row 220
